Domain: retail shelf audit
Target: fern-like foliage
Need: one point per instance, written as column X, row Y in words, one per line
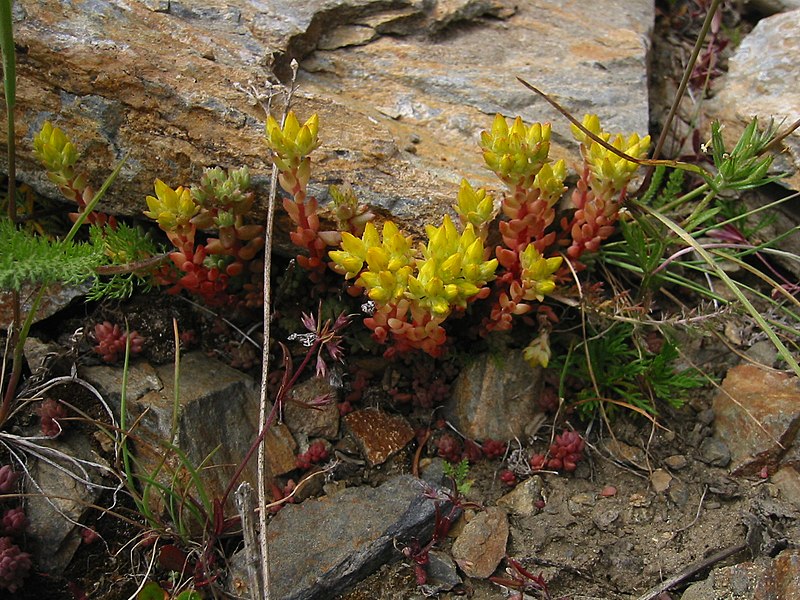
column 625, row 371
column 459, row 473
column 30, row 259
column 123, row 245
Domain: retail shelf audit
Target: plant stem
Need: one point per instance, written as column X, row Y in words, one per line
column 10, row 87
column 18, row 342
column 687, row 74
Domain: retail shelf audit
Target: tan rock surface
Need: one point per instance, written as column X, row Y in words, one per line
column 402, row 88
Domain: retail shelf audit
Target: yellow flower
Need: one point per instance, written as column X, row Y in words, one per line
column 474, row 206
column 54, row 150
column 550, row 181
column 293, row 142
column 388, row 259
column 173, row 209
column 452, row 269
column 611, row 173
column 537, row 273
column 516, row 153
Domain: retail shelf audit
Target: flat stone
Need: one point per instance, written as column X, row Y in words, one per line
column 479, row 549
column 142, row 379
column 523, row 498
column 442, row 574
column 605, row 519
column 495, row 397
column 57, row 500
column 678, row 493
column 626, row 453
column 56, row 297
column 322, row 546
column 660, row 480
column 770, row 7
column 676, row 462
column 758, row 417
column 580, row 504
column 762, row 84
column 157, row 81
column 378, row 434
column 317, row 421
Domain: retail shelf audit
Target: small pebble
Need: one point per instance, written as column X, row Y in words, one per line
column 715, row 452
column 676, row 462
column 608, row 491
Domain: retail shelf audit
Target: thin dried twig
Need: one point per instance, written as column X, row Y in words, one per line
column 262, row 410
column 245, row 505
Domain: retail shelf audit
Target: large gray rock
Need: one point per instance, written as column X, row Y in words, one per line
column 157, row 81
column 321, row 547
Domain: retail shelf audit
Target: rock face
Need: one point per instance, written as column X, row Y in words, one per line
column 763, row 579
column 402, row 87
column 763, row 84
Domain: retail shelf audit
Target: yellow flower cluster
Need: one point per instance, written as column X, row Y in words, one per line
column 173, row 209
column 537, row 273
column 451, row 270
column 57, row 153
column 611, row 172
column 388, row 259
column 516, row 153
column 474, row 206
column 550, row 182
column 293, row 142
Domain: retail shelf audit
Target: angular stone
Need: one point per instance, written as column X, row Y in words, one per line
column 758, row 417
column 627, row 453
column 715, row 452
column 57, row 499
column 660, row 480
column 763, row 84
column 218, row 421
column 442, row 574
column 787, row 480
column 676, row 462
column 523, row 498
column 142, row 378
column 319, row 421
column 770, row 7
column 322, row 546
column 495, row 397
column 56, row 298
column 479, row 549
column 378, row 434
column 157, row 81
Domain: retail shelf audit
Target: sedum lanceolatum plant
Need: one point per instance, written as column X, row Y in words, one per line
column 58, row 155
column 413, row 290
column 290, row 147
column 221, row 270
